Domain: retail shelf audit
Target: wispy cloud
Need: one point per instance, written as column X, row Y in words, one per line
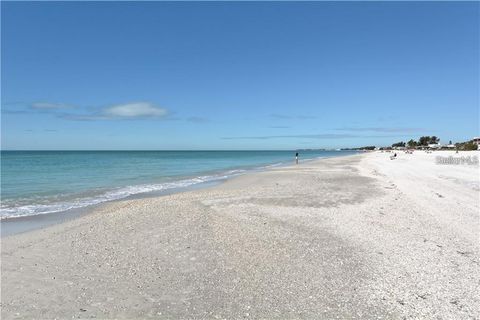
column 285, row 116
column 46, row 130
column 311, row 136
column 9, row 111
column 134, row 110
column 50, row 106
column 300, row 136
column 381, row 129
column 35, row 107
column 125, row 111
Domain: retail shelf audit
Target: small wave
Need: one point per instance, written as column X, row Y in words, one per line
column 116, row 194
column 273, row 165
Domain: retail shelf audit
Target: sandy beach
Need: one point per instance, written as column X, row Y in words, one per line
column 356, row 237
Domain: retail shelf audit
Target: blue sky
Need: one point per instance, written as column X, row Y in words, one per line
column 237, row 75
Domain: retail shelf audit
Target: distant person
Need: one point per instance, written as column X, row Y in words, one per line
column 296, row 158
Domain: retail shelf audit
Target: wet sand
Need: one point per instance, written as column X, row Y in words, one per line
column 357, row 237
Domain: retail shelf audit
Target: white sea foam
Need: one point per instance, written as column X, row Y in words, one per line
column 12, row 211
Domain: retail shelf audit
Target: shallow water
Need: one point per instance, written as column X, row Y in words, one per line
column 40, row 182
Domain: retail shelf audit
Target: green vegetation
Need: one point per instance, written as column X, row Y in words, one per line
column 412, row 143
column 422, row 142
column 361, row 148
column 398, row 144
column 426, row 140
column 467, row 146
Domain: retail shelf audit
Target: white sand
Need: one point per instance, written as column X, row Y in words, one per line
column 358, row 237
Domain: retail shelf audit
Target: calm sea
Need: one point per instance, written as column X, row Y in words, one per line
column 39, row 182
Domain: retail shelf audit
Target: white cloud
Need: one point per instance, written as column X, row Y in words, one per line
column 134, row 110
column 50, row 106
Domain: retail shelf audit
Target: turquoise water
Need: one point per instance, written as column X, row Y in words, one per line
column 39, row 182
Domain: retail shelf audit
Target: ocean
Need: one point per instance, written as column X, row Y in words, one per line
column 41, row 182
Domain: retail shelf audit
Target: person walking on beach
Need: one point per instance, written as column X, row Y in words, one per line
column 296, row 158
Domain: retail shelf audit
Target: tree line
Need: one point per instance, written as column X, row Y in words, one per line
column 422, row 142
column 426, row 140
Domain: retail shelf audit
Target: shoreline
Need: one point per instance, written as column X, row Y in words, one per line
column 21, row 224
column 351, row 237
column 25, row 223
